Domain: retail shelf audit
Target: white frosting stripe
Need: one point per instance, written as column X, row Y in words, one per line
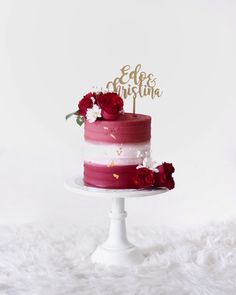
column 116, row 154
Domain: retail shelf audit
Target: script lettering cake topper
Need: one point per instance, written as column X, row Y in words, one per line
column 134, row 83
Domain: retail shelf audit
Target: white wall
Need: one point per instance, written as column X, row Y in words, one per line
column 52, row 52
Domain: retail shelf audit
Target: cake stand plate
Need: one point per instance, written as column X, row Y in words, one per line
column 116, row 250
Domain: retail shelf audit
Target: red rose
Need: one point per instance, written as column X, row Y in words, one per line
column 86, row 103
column 111, row 105
column 164, row 178
column 144, row 178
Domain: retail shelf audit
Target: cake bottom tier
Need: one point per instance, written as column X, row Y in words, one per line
column 115, row 177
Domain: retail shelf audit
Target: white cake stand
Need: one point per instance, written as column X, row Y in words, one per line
column 116, row 250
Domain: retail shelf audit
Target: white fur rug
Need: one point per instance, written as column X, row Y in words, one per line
column 43, row 260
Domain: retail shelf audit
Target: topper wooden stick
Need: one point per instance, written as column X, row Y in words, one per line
column 134, row 105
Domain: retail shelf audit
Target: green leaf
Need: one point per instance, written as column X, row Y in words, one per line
column 71, row 114
column 80, row 120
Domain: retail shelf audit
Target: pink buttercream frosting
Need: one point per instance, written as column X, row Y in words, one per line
column 128, row 128
column 109, row 177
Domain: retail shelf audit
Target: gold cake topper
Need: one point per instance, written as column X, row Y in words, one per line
column 134, row 83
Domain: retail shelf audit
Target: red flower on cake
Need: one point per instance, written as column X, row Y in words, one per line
column 111, row 105
column 144, row 178
column 95, row 105
column 164, row 178
column 86, row 103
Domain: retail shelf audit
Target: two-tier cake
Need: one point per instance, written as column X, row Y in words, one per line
column 117, row 146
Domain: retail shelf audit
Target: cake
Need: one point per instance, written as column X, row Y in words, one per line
column 113, row 150
column 117, row 146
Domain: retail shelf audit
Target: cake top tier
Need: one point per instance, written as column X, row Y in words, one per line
column 127, row 128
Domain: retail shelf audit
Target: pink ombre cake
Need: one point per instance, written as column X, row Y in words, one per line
column 113, row 149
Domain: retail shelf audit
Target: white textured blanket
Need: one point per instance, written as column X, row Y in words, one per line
column 54, row 260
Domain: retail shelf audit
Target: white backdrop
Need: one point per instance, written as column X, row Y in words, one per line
column 53, row 52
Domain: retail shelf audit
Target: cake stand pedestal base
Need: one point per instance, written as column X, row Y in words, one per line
column 117, row 250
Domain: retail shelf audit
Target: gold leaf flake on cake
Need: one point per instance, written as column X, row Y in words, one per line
column 111, row 164
column 119, row 151
column 139, row 154
column 116, row 176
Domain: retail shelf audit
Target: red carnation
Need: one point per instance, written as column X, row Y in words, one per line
column 164, row 178
column 144, row 178
column 86, row 103
column 111, row 105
